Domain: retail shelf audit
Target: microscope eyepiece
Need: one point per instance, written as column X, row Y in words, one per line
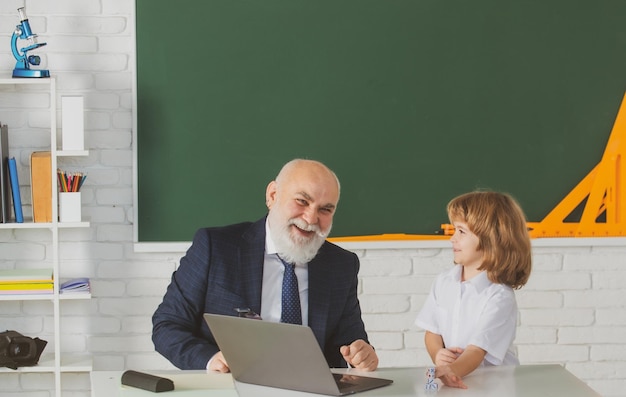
column 22, row 13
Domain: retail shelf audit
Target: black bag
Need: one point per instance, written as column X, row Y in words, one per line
column 17, row 350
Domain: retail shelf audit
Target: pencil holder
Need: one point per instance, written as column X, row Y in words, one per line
column 69, row 207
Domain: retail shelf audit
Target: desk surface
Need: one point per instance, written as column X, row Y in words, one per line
column 512, row 381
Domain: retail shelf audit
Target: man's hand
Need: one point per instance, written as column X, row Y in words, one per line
column 447, row 356
column 360, row 355
column 218, row 363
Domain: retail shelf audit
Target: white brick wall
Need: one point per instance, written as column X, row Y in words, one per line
column 573, row 310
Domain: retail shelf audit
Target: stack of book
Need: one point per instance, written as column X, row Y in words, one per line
column 26, row 281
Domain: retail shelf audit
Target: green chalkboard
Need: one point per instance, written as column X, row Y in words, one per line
column 411, row 102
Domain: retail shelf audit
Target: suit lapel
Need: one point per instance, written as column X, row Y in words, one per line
column 319, row 295
column 251, row 257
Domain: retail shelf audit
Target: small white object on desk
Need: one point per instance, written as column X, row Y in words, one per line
column 431, row 383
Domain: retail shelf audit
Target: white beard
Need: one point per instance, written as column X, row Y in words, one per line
column 293, row 249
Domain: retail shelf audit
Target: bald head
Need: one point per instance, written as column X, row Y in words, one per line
column 298, row 168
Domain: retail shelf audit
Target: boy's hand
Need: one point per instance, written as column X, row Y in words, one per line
column 447, row 356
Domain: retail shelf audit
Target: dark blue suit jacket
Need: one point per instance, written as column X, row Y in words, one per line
column 223, row 270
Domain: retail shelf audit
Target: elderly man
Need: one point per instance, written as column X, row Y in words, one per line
column 243, row 266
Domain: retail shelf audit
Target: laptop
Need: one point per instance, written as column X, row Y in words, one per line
column 285, row 356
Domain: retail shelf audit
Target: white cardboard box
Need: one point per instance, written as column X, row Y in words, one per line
column 72, row 123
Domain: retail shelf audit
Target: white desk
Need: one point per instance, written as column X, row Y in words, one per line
column 513, row 381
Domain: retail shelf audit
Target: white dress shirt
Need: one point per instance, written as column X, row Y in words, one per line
column 474, row 312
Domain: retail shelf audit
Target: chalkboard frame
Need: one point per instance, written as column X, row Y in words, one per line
column 602, row 113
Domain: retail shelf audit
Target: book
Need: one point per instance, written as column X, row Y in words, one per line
column 26, row 292
column 75, row 285
column 5, row 192
column 15, row 190
column 25, row 276
column 26, row 286
column 41, row 186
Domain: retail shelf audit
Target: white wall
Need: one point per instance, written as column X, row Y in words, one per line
column 572, row 310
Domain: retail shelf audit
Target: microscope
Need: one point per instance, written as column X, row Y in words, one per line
column 22, row 67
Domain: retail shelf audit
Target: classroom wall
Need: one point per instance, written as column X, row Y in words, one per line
column 572, row 311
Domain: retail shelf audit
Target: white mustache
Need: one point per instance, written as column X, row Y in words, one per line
column 307, row 227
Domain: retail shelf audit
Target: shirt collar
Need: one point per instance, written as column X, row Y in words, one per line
column 479, row 282
column 270, row 248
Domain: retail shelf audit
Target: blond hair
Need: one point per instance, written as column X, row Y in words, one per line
column 500, row 224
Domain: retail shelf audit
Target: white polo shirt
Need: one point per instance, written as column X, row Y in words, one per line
column 474, row 312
